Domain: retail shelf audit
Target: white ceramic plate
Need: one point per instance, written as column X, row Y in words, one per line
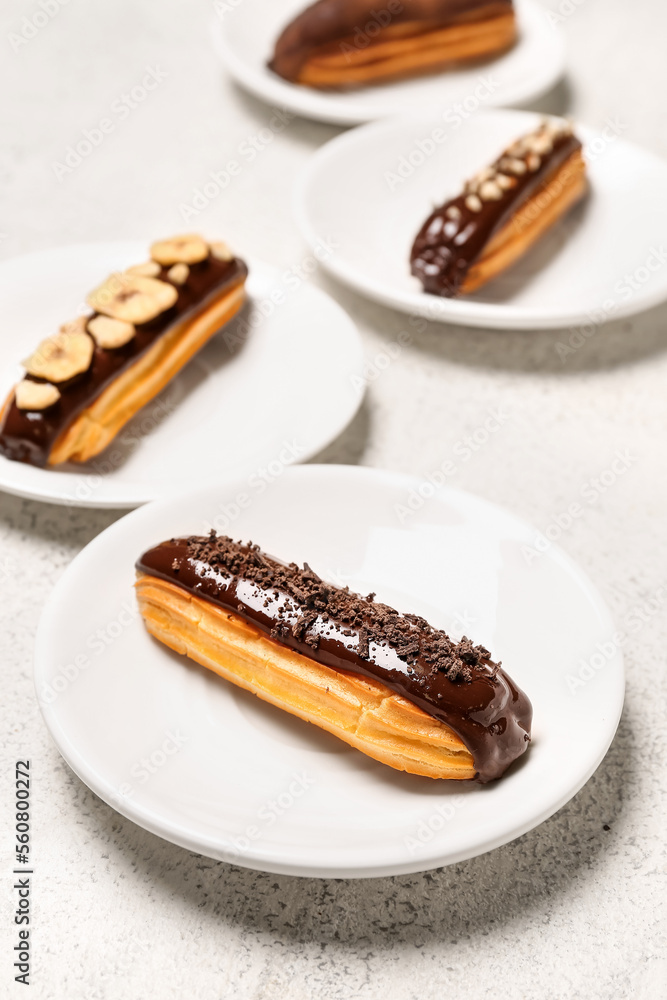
column 371, row 189
column 282, row 391
column 212, row 768
column 245, row 32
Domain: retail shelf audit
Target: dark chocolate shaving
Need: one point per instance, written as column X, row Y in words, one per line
column 410, row 636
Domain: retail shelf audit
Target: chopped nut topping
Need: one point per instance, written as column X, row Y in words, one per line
column 490, row 191
column 515, row 166
column 110, row 333
column 540, row 144
column 221, row 251
column 178, row 273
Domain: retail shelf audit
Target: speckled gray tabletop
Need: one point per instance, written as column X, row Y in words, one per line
column 572, row 909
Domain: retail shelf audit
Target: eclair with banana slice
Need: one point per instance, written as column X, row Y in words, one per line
column 85, row 382
column 352, row 43
column 386, row 683
column 502, row 211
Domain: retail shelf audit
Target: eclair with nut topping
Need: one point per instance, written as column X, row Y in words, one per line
column 352, row 43
column 386, row 683
column 85, row 382
column 502, row 211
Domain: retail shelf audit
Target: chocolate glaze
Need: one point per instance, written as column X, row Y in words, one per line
column 28, row 436
column 445, row 248
column 454, row 682
column 332, row 22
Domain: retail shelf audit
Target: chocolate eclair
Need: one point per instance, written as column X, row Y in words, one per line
column 502, row 211
column 85, row 382
column 386, row 683
column 351, row 43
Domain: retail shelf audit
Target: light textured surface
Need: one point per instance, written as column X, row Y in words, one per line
column 573, row 909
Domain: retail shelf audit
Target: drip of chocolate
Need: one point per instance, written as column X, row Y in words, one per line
column 28, row 436
column 334, row 22
column 455, row 235
column 455, row 682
